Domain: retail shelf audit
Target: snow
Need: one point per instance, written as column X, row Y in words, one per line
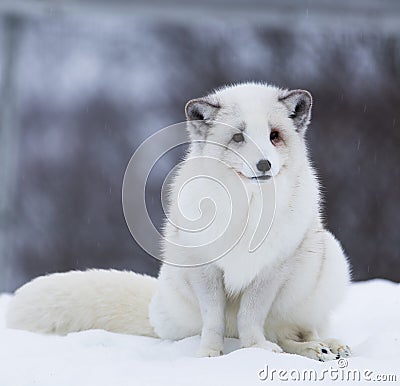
column 368, row 320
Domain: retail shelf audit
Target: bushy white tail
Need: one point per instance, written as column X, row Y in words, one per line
column 60, row 303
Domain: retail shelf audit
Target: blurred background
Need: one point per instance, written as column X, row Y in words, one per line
column 83, row 83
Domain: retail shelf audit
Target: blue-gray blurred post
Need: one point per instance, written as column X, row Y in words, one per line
column 9, row 136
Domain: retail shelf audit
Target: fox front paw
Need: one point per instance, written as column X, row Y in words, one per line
column 209, row 352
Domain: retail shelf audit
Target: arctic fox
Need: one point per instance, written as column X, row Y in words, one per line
column 264, row 269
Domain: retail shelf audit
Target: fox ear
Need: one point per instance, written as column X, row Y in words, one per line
column 299, row 103
column 199, row 113
column 201, row 109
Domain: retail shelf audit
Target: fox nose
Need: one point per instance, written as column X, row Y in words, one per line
column 263, row 165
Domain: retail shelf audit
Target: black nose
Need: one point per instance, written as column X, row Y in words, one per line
column 263, row 165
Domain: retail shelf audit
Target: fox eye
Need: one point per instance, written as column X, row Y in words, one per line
column 274, row 136
column 238, row 137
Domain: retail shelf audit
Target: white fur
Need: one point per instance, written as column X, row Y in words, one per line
column 278, row 297
column 60, row 303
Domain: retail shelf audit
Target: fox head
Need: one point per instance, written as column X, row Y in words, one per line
column 255, row 129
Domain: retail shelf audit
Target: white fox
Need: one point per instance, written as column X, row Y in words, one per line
column 274, row 290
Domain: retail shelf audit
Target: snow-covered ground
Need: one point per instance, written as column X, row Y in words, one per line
column 369, row 321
